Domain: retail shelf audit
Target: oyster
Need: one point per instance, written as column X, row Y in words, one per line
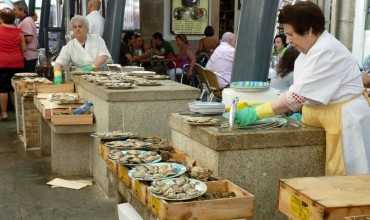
column 181, row 188
column 157, row 171
column 138, row 157
column 200, row 173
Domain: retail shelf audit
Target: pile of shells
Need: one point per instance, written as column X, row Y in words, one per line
column 129, row 144
column 64, row 98
column 201, row 120
column 138, row 157
column 153, row 171
column 114, row 135
column 176, row 189
column 200, row 173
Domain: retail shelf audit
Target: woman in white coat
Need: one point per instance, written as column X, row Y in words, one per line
column 86, row 51
column 328, row 87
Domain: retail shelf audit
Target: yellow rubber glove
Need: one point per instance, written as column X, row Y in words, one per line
column 250, row 115
column 242, row 105
column 265, row 110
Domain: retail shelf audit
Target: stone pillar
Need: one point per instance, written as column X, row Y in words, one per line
column 254, row 44
column 343, row 13
column 151, row 17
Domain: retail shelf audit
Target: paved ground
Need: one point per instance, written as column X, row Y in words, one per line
column 24, row 194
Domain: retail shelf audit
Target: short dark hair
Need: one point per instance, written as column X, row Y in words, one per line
column 283, row 39
column 7, row 15
column 286, row 62
column 303, row 16
column 209, row 31
column 158, row 36
column 21, row 5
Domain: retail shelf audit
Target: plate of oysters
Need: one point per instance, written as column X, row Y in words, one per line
column 156, row 77
column 201, row 121
column 178, row 189
column 144, row 82
column 141, row 73
column 119, row 85
column 135, row 157
column 157, row 171
column 129, row 144
column 114, row 135
column 25, row 74
column 65, row 98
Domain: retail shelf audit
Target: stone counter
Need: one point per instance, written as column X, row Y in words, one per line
column 144, row 110
column 254, row 159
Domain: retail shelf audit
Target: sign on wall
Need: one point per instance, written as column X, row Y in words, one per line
column 189, row 17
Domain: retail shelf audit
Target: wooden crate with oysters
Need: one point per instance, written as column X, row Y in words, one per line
column 169, row 183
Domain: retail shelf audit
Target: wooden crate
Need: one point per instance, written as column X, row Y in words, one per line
column 239, row 207
column 324, row 198
column 140, row 190
column 50, row 88
column 362, row 217
column 123, row 175
column 70, row 119
column 112, row 166
column 25, row 87
column 103, row 151
column 31, row 124
column 18, row 112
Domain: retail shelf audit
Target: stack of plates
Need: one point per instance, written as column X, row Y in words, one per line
column 207, row 108
column 250, row 86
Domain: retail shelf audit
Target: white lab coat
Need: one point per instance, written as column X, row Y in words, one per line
column 73, row 53
column 328, row 73
column 96, row 23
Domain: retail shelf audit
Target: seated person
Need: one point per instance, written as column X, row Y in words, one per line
column 282, row 78
column 161, row 47
column 185, row 59
column 138, row 53
column 86, row 51
column 279, row 45
column 126, row 46
column 209, row 43
column 222, row 59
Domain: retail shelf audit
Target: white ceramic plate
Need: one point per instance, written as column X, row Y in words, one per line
column 200, row 186
column 179, row 169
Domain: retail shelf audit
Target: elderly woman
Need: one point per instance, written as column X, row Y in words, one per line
column 86, row 51
column 328, row 87
column 12, row 45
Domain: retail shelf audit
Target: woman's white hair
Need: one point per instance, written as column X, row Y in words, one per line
column 80, row 19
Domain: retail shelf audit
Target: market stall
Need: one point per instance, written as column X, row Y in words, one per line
column 161, row 182
column 143, row 107
column 254, row 158
column 65, row 135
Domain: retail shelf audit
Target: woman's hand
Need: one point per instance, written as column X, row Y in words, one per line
column 246, row 116
column 88, row 68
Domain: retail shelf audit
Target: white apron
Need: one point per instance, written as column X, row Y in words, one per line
column 356, row 136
